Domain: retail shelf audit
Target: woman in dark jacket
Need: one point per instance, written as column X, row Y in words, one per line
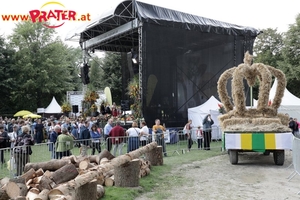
column 23, row 149
column 207, row 123
column 3, row 142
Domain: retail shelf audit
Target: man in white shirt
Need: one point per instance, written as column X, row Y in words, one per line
column 144, row 134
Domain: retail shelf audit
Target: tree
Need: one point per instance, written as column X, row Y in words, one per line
column 112, row 75
column 291, row 57
column 7, row 83
column 96, row 83
column 42, row 66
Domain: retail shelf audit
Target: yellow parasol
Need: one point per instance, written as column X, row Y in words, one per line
column 32, row 116
column 22, row 113
column 108, row 95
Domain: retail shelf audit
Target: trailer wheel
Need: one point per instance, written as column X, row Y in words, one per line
column 266, row 153
column 278, row 157
column 233, row 157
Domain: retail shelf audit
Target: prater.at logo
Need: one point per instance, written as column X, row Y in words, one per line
column 55, row 14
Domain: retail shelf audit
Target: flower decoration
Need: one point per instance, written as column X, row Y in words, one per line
column 221, row 108
column 66, row 107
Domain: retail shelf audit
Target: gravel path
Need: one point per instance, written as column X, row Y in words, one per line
column 256, row 177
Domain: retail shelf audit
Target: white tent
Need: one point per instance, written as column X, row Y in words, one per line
column 53, row 107
column 290, row 103
column 197, row 114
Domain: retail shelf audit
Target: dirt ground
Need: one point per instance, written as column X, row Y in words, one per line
column 255, row 177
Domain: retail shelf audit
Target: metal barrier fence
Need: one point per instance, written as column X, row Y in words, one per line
column 174, row 143
column 296, row 158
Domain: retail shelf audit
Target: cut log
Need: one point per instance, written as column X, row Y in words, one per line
column 45, row 183
column 87, row 191
column 155, row 156
column 85, row 164
column 20, row 198
column 32, row 194
column 60, row 197
column 94, row 159
column 109, row 181
column 65, row 173
column 37, row 180
column 51, row 165
column 3, row 195
column 109, row 173
column 104, row 161
column 106, row 154
column 70, row 187
column 43, row 195
column 48, row 173
column 127, row 175
column 39, row 172
column 100, row 179
column 100, row 191
column 14, row 190
column 4, row 181
column 30, row 174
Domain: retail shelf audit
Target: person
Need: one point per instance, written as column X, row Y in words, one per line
column 84, row 134
column 23, row 149
column 3, row 142
column 157, row 130
column 64, row 143
column 96, row 136
column 293, row 126
column 296, row 128
column 199, row 135
column 107, row 129
column 13, row 136
column 207, row 123
column 188, row 133
column 133, row 134
column 117, row 136
column 39, row 132
column 102, row 109
column 53, row 137
column 144, row 134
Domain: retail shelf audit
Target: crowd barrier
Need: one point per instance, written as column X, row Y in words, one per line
column 296, row 159
column 174, row 143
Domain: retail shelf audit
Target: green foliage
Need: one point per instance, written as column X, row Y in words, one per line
column 112, row 75
column 96, row 72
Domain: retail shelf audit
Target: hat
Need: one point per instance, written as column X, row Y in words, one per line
column 291, row 118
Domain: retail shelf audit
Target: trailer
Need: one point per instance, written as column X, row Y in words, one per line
column 265, row 142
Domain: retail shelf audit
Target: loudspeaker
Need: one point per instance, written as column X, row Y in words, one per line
column 75, row 108
column 125, row 105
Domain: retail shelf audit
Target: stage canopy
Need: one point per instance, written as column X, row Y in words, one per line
column 180, row 56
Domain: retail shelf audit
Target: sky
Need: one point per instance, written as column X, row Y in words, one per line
column 258, row 14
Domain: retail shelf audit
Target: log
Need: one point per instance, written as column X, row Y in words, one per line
column 100, row 191
column 39, row 172
column 65, row 173
column 37, row 180
column 45, row 183
column 87, row 191
column 14, row 189
column 70, row 187
column 109, row 181
column 94, row 159
column 51, row 165
column 85, row 164
column 30, row 174
column 3, row 194
column 43, row 195
column 48, row 173
column 109, row 173
column 127, row 175
column 100, row 179
column 20, row 198
column 4, row 181
column 155, row 156
column 32, row 194
column 106, row 154
column 104, row 160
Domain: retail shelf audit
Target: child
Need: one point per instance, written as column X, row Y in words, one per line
column 199, row 135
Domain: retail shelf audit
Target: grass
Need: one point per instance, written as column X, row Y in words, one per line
column 159, row 180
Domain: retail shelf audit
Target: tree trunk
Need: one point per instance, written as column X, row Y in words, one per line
column 45, row 183
column 14, row 190
column 155, row 156
column 109, row 181
column 51, row 165
column 43, row 195
column 106, row 154
column 64, row 174
column 127, row 175
column 3, row 194
column 87, row 190
column 100, row 191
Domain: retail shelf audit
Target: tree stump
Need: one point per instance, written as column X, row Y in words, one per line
column 127, row 175
column 64, row 174
column 155, row 156
column 3, row 195
column 87, row 191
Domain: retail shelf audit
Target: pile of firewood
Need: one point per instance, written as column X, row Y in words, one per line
column 76, row 177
